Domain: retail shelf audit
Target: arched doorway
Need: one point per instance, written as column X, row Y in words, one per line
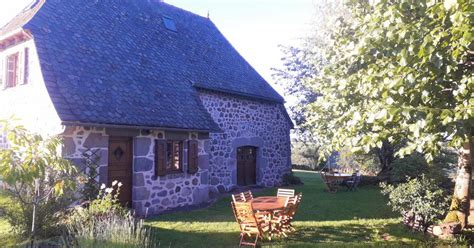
column 246, row 165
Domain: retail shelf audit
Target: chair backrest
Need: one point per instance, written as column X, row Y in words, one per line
column 238, row 197
column 323, row 176
column 286, row 192
column 234, row 211
column 294, row 204
column 357, row 178
column 298, row 200
column 248, row 195
column 245, row 215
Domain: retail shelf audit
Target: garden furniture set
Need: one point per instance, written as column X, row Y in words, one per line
column 266, row 216
column 333, row 180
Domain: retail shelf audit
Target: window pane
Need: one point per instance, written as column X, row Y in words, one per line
column 173, row 156
column 169, row 155
column 176, row 158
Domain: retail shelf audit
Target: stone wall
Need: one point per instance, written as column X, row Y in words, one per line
column 150, row 194
column 247, row 122
column 79, row 140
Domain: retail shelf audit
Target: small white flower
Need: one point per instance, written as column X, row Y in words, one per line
column 120, row 184
column 114, row 183
column 102, row 186
column 108, row 190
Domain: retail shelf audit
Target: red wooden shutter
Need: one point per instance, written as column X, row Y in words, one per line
column 12, row 64
column 193, row 156
column 160, row 157
column 26, row 66
column 2, row 73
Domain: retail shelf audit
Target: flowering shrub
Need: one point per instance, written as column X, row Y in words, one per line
column 107, row 201
column 105, row 223
column 418, row 197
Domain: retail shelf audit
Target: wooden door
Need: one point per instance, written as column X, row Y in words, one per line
column 247, row 165
column 120, row 167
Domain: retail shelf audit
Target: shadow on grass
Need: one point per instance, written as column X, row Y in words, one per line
column 355, row 233
column 351, row 235
column 175, row 238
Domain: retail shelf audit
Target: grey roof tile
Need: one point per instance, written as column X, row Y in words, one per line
column 114, row 62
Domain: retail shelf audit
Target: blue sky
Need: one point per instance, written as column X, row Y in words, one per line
column 254, row 27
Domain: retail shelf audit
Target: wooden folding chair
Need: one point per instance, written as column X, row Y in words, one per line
column 281, row 218
column 353, row 182
column 285, row 192
column 248, row 195
column 287, row 222
column 330, row 181
column 250, row 226
column 238, row 197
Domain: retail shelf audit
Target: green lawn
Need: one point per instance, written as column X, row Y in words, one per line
column 344, row 219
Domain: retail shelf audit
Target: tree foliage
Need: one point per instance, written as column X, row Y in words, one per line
column 37, row 177
column 305, row 61
column 398, row 71
column 31, row 157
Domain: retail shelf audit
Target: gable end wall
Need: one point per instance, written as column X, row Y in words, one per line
column 29, row 103
column 247, row 122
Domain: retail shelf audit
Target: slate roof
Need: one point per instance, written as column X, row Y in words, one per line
column 114, row 62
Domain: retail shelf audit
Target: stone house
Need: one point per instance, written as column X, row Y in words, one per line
column 170, row 107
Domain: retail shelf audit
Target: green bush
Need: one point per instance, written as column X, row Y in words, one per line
column 105, row 223
column 420, row 196
column 291, row 179
column 415, row 165
column 48, row 217
column 40, row 182
column 304, row 167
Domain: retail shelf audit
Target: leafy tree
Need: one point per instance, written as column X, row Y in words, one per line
column 365, row 163
column 400, row 71
column 36, row 175
column 304, row 62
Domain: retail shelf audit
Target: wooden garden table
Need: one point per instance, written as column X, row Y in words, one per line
column 268, row 203
column 339, row 176
column 333, row 180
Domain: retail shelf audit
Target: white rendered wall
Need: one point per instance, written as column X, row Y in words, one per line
column 29, row 102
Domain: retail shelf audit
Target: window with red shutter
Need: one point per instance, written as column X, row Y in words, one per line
column 12, row 70
column 26, row 66
column 193, row 152
column 169, row 157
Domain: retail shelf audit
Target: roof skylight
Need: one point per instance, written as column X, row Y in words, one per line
column 169, row 23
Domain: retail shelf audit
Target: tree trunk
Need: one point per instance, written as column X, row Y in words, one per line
column 460, row 204
column 386, row 156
